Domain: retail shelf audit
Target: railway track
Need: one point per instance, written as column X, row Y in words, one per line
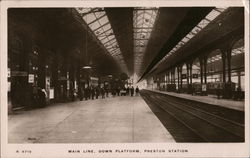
column 196, row 122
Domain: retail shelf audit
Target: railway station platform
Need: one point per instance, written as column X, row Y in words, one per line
column 121, row 119
column 210, row 99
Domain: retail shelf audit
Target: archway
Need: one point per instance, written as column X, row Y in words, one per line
column 237, row 64
column 238, row 69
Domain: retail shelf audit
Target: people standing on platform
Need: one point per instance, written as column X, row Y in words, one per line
column 118, row 91
column 92, row 90
column 35, row 97
column 127, row 90
column 132, row 91
column 238, row 93
column 41, row 97
column 137, row 91
column 86, row 93
column 80, row 95
column 219, row 91
column 103, row 92
column 107, row 92
column 74, row 95
column 71, row 94
column 97, row 91
column 89, row 92
column 113, row 92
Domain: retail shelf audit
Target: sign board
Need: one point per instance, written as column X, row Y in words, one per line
column 203, row 87
column 8, row 72
column 31, row 78
column 51, row 93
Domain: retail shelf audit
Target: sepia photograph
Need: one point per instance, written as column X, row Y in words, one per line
column 159, row 76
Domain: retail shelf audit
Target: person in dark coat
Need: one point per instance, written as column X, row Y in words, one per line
column 103, row 92
column 137, row 90
column 118, row 91
column 97, row 92
column 132, row 91
column 41, row 97
column 80, row 95
column 89, row 92
column 113, row 92
column 92, row 93
column 127, row 91
column 86, row 93
column 107, row 92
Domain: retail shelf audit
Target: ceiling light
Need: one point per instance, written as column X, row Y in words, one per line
column 87, row 67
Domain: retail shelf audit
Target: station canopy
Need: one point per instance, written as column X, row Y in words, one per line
column 148, row 31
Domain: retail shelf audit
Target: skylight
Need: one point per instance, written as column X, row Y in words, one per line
column 237, row 51
column 98, row 22
column 143, row 23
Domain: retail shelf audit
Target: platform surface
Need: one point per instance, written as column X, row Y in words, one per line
column 121, row 119
column 210, row 99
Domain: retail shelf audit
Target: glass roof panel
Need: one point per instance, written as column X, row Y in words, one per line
column 103, row 20
column 190, row 35
column 203, row 23
column 109, row 41
column 196, row 30
column 238, row 51
column 106, row 27
column 111, row 37
column 109, row 32
column 83, row 10
column 99, row 32
column 94, row 25
column 221, row 9
column 99, row 14
column 104, row 40
column 90, row 18
column 185, row 40
column 143, row 22
column 213, row 14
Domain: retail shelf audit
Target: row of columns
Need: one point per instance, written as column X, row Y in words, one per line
column 226, row 65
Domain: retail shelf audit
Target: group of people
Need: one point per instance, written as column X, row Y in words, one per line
column 127, row 91
column 92, row 92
